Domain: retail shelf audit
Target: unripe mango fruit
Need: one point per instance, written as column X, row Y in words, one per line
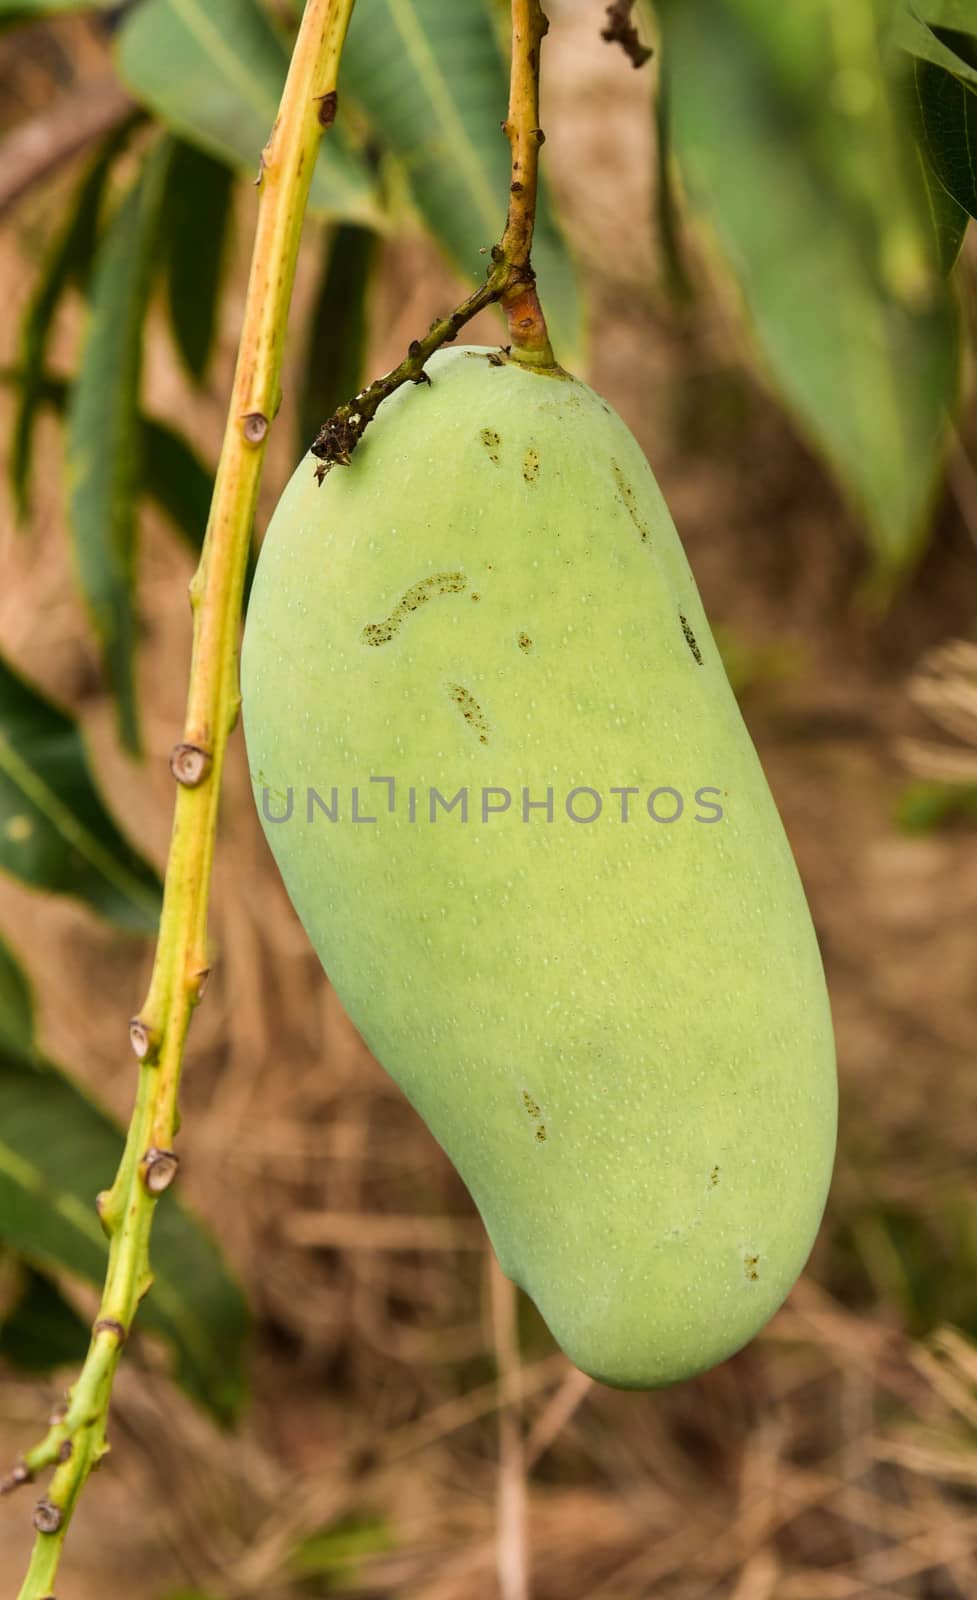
column 615, row 1024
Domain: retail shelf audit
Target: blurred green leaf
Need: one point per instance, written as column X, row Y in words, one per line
column 68, row 259
column 926, row 806
column 335, row 1554
column 16, row 1005
column 337, row 333
column 214, row 70
column 55, row 831
column 58, row 1150
column 41, row 1330
column 104, row 439
column 432, row 82
column 19, row 9
column 177, row 479
column 856, row 327
column 197, row 214
column 173, row 475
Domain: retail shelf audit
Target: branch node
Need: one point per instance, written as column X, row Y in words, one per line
column 66, row 1449
column 102, row 1212
column 201, row 980
column 254, row 427
column 140, row 1037
column 113, row 1326
column 47, row 1516
column 328, row 106
column 189, row 764
column 159, row 1168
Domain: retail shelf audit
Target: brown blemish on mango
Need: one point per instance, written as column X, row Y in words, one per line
column 525, row 643
column 751, row 1266
column 492, row 443
column 376, row 633
column 532, row 1106
column 714, row 1178
column 530, row 465
column 470, row 710
column 691, row 640
column 629, row 499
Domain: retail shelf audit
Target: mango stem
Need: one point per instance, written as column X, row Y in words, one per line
column 511, row 280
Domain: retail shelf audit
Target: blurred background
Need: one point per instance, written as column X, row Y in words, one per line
column 336, row 1392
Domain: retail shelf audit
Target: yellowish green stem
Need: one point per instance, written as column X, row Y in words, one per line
column 511, row 281
column 76, row 1442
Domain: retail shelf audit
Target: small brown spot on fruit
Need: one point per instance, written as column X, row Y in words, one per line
column 751, row 1266
column 377, row 633
column 530, row 465
column 714, row 1178
column 530, row 1103
column 470, row 710
column 525, row 643
column 690, row 640
column 492, row 443
column 541, row 1133
column 630, row 500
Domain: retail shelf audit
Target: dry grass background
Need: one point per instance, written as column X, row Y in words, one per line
column 396, row 1383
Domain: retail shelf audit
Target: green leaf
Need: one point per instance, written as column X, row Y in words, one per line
column 213, row 70
column 946, row 124
column 944, row 81
column 68, row 259
column 336, row 338
column 432, row 82
column 55, row 831
column 856, row 327
column 173, row 475
column 176, row 478
column 41, row 1330
column 103, row 431
column 197, row 214
column 16, row 1005
column 58, row 1150
column 914, row 25
column 337, row 1554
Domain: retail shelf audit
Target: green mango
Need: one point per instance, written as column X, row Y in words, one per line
column 514, row 804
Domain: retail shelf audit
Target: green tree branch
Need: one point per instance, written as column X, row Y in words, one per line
column 76, row 1440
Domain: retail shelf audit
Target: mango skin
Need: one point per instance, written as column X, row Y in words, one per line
column 618, row 1031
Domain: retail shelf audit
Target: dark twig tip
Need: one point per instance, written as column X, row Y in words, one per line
column 619, row 29
column 18, row 1475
